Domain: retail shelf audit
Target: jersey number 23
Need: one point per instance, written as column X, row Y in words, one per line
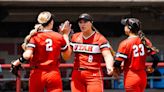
column 138, row 50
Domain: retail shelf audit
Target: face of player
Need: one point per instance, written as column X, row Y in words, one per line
column 85, row 26
column 127, row 30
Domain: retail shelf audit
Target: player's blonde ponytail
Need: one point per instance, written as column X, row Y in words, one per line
column 44, row 18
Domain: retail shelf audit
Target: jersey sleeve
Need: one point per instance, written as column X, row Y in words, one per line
column 104, row 44
column 32, row 44
column 72, row 40
column 121, row 54
column 64, row 46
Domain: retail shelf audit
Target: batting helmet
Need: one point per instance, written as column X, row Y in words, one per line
column 44, row 18
column 133, row 24
column 85, row 16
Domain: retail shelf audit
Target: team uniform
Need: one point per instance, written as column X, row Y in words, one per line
column 47, row 46
column 134, row 54
column 87, row 73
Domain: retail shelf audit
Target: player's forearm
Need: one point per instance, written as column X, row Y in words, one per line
column 66, row 38
column 108, row 58
column 109, row 61
column 24, row 57
column 67, row 54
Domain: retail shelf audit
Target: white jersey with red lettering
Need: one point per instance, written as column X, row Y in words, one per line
column 88, row 50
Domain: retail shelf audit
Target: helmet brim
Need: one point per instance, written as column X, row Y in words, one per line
column 85, row 17
column 124, row 21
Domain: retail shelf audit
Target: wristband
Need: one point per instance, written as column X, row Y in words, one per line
column 22, row 59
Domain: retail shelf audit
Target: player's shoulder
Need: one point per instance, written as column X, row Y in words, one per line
column 99, row 36
column 128, row 41
column 57, row 34
column 124, row 42
column 51, row 34
column 75, row 35
column 131, row 40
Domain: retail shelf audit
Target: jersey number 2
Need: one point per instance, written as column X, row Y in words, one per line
column 49, row 44
column 138, row 50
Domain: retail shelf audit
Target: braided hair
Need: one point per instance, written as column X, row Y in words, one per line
column 135, row 25
column 143, row 40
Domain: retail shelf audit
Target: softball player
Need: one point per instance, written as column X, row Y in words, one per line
column 43, row 51
column 90, row 48
column 133, row 51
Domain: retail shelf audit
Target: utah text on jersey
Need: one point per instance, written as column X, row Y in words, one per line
column 88, row 48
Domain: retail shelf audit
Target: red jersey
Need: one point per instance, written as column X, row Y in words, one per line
column 88, row 50
column 47, row 46
column 133, row 53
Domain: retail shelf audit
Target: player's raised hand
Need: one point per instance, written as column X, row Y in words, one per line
column 65, row 28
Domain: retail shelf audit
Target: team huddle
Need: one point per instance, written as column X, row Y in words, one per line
column 44, row 47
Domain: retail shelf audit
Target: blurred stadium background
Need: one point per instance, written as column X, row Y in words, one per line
column 17, row 18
